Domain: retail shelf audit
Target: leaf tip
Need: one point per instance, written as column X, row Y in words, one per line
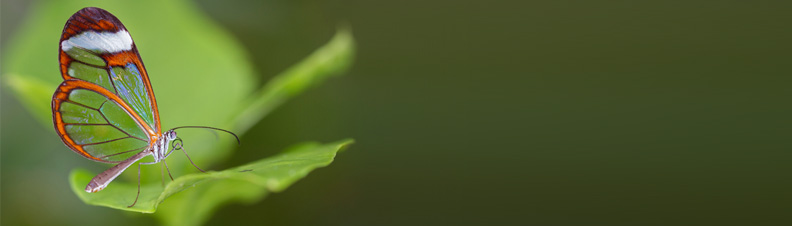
column 344, row 144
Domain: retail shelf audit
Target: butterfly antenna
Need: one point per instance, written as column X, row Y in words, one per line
column 207, row 127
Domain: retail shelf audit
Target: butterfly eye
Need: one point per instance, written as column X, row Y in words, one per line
column 170, row 135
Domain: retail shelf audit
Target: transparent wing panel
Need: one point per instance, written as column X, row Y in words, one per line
column 122, row 144
column 120, row 119
column 85, row 56
column 74, row 113
column 95, row 75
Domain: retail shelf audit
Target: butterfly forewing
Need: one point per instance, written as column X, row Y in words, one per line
column 105, row 110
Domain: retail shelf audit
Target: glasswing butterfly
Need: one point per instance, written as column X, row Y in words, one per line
column 105, row 108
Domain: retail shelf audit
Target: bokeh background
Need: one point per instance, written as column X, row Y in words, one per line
column 491, row 113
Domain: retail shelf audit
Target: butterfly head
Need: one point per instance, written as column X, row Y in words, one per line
column 170, row 135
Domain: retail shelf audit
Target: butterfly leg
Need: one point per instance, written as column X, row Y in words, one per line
column 162, row 174
column 188, row 158
column 166, row 167
column 163, row 167
column 138, row 192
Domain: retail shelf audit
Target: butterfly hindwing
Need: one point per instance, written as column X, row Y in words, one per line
column 95, row 125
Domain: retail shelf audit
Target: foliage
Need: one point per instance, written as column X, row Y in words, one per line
column 201, row 76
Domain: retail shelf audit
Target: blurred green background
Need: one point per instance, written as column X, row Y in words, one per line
column 480, row 113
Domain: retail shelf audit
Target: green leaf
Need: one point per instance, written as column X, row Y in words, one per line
column 248, row 182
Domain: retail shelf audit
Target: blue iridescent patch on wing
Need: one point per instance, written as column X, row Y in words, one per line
column 129, row 83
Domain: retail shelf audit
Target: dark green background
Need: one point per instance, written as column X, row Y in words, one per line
column 493, row 112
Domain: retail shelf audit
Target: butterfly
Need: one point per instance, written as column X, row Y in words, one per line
column 105, row 109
